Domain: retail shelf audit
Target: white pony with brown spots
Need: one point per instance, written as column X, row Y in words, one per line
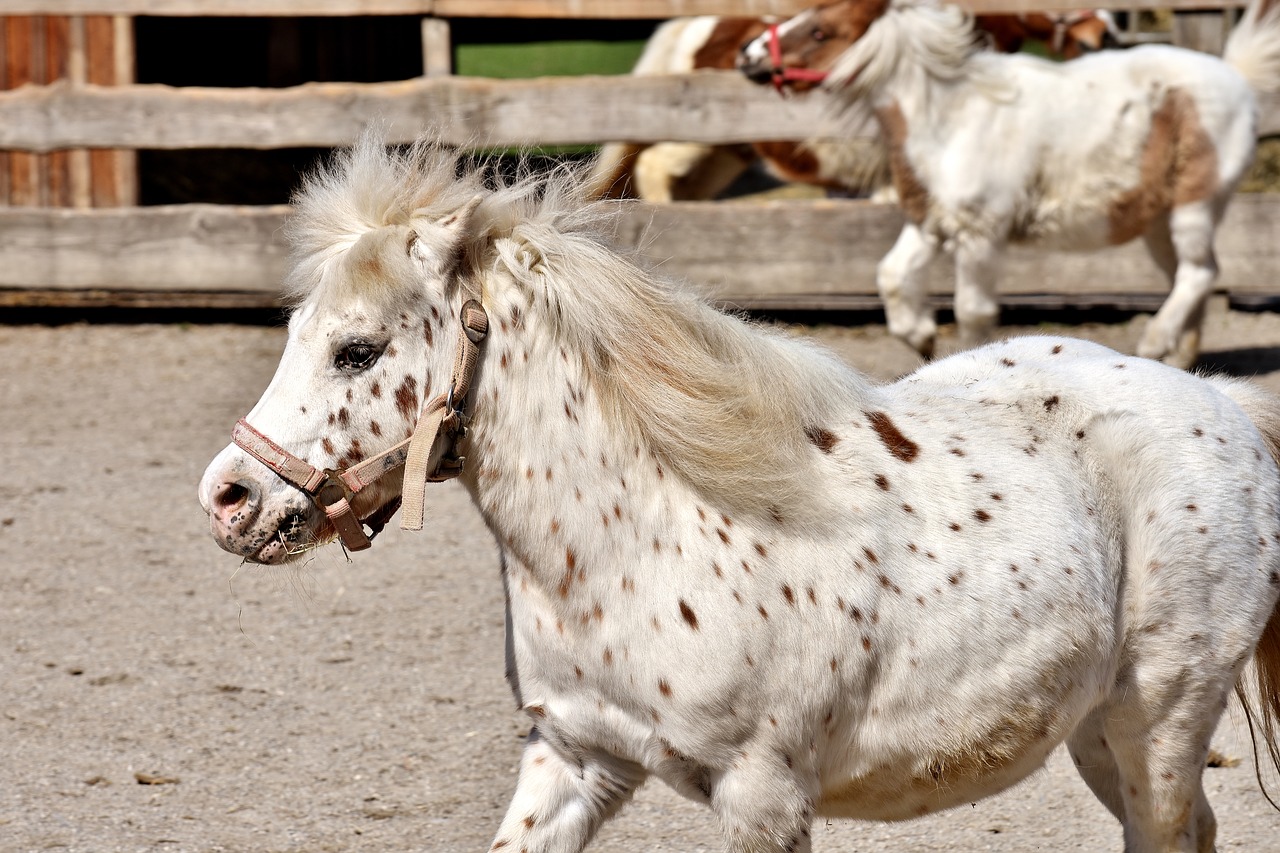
column 988, row 149
column 733, row 564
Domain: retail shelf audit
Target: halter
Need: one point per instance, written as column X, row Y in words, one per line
column 333, row 490
column 781, row 74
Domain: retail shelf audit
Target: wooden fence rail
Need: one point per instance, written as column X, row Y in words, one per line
column 797, row 253
column 709, row 106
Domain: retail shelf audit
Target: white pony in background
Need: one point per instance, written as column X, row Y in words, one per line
column 670, row 171
column 736, row 565
column 988, row 149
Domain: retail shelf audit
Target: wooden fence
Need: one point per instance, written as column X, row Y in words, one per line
column 811, row 254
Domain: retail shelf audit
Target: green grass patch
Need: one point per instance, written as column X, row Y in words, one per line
column 546, row 58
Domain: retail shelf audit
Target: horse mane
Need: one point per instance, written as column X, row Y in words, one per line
column 730, row 406
column 920, row 37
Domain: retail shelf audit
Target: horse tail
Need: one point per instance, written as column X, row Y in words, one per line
column 610, row 172
column 1262, row 708
column 1253, row 48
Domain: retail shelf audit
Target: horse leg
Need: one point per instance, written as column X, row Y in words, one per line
column 1157, row 729
column 559, row 804
column 1096, row 764
column 977, row 309
column 762, row 806
column 902, row 286
column 686, row 171
column 1173, row 335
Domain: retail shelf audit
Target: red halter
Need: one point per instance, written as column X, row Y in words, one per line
column 782, row 74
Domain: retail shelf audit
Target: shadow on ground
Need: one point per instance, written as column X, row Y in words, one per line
column 1246, row 361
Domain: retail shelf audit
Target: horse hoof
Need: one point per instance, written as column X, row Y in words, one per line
column 1182, row 355
column 923, row 344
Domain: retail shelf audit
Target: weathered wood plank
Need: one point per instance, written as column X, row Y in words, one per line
column 653, row 9
column 736, row 251
column 178, row 247
column 833, row 247
column 707, row 106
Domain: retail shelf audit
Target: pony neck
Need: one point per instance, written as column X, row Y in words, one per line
column 601, row 382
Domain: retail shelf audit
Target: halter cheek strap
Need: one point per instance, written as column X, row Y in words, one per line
column 333, row 490
column 783, row 75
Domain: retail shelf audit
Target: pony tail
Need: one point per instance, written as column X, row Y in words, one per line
column 1264, row 717
column 1261, row 704
column 1253, row 48
column 610, row 172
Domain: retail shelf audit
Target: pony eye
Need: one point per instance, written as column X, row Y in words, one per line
column 818, row 34
column 355, row 357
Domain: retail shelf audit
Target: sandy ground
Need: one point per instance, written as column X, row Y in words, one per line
column 339, row 705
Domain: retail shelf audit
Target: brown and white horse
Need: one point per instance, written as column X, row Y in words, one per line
column 671, row 171
column 988, row 149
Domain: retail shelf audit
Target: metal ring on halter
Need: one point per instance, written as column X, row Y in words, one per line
column 325, row 496
column 448, row 400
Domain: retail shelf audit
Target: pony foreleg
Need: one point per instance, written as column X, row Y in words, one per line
column 1173, row 335
column 558, row 804
column 901, row 283
column 977, row 309
column 762, row 805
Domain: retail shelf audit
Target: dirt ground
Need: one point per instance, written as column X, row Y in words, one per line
column 157, row 696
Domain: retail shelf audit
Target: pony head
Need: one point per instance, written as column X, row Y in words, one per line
column 812, row 41
column 376, row 286
column 1064, row 35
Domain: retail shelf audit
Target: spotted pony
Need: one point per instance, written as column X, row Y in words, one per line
column 736, row 565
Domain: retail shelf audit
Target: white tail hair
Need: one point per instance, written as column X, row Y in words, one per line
column 1253, row 48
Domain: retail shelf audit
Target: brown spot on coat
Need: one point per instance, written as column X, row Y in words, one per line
column 892, row 438
column 728, row 35
column 407, row 399
column 1179, row 166
column 570, row 565
column 913, row 195
column 689, row 616
column 821, row 438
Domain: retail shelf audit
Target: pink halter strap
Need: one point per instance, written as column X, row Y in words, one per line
column 783, row 75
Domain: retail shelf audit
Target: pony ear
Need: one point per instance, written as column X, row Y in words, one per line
column 439, row 243
column 460, row 219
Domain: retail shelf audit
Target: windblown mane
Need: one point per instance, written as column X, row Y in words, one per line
column 730, row 406
column 914, row 37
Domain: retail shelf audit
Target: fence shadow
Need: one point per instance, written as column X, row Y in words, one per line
column 1244, row 362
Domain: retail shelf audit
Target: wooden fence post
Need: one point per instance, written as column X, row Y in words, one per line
column 1200, row 29
column 437, row 48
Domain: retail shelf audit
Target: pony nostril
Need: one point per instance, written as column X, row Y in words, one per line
column 229, row 497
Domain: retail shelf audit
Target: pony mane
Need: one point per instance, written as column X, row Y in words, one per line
column 914, row 36
column 729, row 406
